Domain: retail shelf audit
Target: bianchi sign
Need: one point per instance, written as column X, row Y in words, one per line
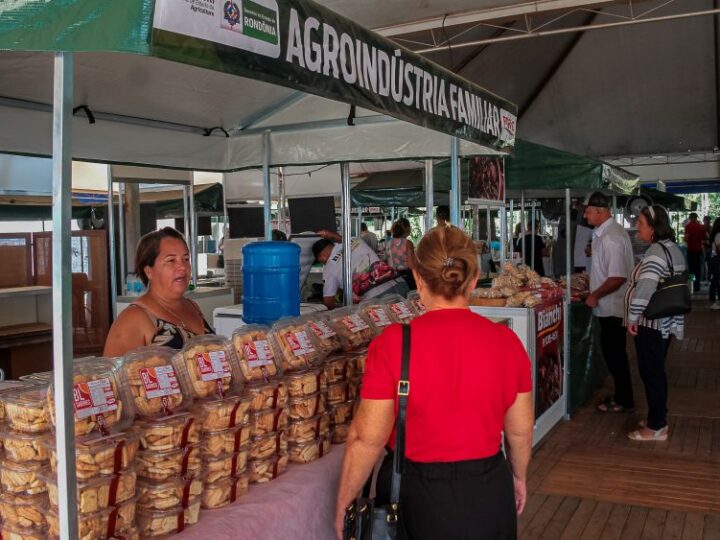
column 253, row 26
column 305, row 46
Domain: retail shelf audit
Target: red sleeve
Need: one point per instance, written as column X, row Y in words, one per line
column 380, row 380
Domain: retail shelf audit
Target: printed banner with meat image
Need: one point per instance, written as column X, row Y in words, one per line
column 549, row 363
column 487, row 180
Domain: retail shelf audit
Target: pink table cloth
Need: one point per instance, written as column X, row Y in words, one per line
column 299, row 504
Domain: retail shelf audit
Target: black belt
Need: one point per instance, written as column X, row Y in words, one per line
column 454, row 469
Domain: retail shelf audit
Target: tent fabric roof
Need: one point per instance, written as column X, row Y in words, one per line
column 537, row 170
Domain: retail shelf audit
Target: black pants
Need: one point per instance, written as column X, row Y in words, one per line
column 695, row 266
column 714, row 275
column 612, row 343
column 651, row 353
column 454, row 501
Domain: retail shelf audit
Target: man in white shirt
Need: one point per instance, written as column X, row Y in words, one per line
column 611, row 265
column 361, row 259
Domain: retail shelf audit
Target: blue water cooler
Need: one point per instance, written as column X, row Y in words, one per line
column 271, row 281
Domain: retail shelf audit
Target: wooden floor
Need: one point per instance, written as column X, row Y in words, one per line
column 587, row 480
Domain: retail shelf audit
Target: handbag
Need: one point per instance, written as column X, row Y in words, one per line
column 364, row 520
column 672, row 296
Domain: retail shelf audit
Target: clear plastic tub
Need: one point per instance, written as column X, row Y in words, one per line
column 309, row 451
column 306, row 407
column 163, row 465
column 268, row 445
column 340, row 392
column 306, row 382
column 217, row 443
column 12, row 532
column 353, row 330
column 90, row 526
column 272, row 395
column 398, row 308
column 295, row 344
column 223, row 413
column 170, row 432
column 22, row 478
column 122, row 517
column 267, row 421
column 340, row 367
column 25, row 408
column 264, row 470
column 258, row 359
column 25, row 511
column 155, row 523
column 360, row 359
column 376, row 313
column 170, row 493
column 327, row 339
column 225, row 466
column 9, row 386
column 101, row 456
column 225, row 491
column 101, row 397
column 156, row 388
column 93, row 495
column 22, row 447
column 339, row 433
column 341, row 413
column 413, row 299
column 211, row 367
column 309, row 429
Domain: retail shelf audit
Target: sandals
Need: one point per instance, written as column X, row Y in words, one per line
column 647, row 434
column 612, row 406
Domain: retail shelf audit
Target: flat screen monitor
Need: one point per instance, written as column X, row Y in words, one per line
column 312, row 214
column 246, row 222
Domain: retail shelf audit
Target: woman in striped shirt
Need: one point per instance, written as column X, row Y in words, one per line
column 652, row 337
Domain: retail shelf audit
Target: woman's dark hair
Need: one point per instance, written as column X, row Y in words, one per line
column 714, row 230
column 659, row 220
column 149, row 248
column 400, row 228
column 446, row 259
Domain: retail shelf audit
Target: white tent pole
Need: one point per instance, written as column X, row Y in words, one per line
column 523, row 219
column 62, row 294
column 193, row 232
column 359, row 220
column 566, row 318
column 532, row 239
column 454, row 182
column 568, row 246
column 267, row 188
column 503, row 232
column 111, row 242
column 121, row 233
column 512, row 229
column 225, row 229
column 429, row 195
column 345, row 231
column 488, row 225
column 186, row 213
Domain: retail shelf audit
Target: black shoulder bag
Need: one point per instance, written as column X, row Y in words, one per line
column 363, row 520
column 672, row 296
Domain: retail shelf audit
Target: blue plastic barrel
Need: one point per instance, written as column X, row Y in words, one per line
column 271, row 281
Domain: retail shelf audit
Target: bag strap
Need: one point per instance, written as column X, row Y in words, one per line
column 668, row 258
column 403, row 390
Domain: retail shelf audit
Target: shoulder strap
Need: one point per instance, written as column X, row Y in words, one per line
column 668, row 258
column 150, row 314
column 403, row 390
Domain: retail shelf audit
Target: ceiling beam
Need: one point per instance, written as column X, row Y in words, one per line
column 490, row 14
column 559, row 61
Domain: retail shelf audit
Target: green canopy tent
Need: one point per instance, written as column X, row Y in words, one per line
column 538, row 171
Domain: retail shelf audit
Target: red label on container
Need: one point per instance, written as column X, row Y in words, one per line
column 159, row 381
column 321, row 329
column 213, row 365
column 93, row 398
column 299, row 343
column 258, row 353
column 354, row 323
column 378, row 316
column 401, row 310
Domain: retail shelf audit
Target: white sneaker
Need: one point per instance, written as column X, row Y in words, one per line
column 716, row 305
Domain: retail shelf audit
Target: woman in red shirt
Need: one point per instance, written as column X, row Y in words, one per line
column 469, row 381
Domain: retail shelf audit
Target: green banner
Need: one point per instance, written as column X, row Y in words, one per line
column 305, row 46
